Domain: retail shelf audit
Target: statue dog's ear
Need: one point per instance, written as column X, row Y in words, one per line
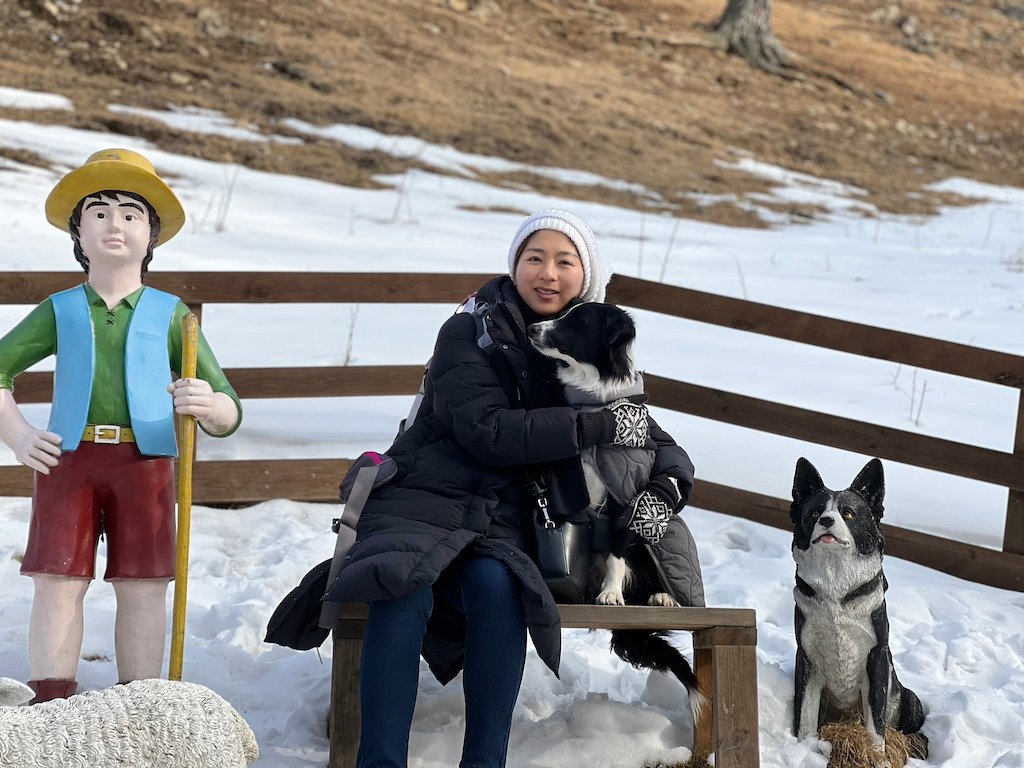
column 870, row 486
column 806, row 482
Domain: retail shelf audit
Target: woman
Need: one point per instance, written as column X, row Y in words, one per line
column 442, row 554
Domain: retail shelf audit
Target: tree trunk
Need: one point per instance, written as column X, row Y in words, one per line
column 746, row 29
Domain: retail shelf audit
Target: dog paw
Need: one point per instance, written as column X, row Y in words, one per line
column 662, row 598
column 610, row 597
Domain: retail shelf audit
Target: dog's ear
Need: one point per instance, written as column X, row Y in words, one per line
column 619, row 326
column 621, row 333
column 806, row 482
column 870, row 484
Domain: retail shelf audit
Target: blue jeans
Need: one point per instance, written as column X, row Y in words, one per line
column 488, row 594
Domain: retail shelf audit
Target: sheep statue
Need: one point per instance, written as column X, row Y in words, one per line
column 154, row 723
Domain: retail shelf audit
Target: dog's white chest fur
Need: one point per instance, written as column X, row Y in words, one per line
column 839, row 639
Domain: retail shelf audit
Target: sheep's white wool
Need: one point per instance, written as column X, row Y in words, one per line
column 156, row 723
column 13, row 692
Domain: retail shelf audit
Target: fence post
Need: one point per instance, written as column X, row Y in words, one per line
column 1013, row 534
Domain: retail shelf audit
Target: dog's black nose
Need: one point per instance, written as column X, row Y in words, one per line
column 826, row 521
column 533, row 330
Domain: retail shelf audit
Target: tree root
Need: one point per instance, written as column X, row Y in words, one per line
column 763, row 51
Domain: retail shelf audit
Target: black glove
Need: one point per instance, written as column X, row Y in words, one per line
column 619, row 423
column 652, row 508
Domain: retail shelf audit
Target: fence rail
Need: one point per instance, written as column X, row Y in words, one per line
column 315, row 480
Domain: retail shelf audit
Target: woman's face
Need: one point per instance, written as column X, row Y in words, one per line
column 549, row 272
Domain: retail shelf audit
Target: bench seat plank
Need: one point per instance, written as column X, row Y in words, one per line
column 628, row 617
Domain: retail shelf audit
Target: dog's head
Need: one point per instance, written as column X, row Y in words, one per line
column 593, row 344
column 838, row 522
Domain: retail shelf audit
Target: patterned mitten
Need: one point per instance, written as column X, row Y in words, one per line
column 631, row 428
column 652, row 508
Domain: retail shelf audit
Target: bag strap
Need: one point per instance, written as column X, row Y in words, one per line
column 346, row 528
column 478, row 308
column 346, row 524
column 537, row 488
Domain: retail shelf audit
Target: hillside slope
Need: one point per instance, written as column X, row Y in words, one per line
column 886, row 96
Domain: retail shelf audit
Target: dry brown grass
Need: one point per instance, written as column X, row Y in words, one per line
column 625, row 89
column 695, row 761
column 852, row 747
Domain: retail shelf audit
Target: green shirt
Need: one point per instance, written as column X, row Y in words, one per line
column 35, row 338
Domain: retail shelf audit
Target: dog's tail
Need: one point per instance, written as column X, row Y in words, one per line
column 647, row 649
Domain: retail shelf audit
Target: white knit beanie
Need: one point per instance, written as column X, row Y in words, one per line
column 596, row 271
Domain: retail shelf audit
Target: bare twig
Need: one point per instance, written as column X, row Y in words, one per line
column 350, row 342
column 668, row 251
column 743, row 282
column 403, row 197
column 640, row 256
column 221, row 201
column 225, row 200
column 913, row 396
column 896, row 376
column 197, row 224
column 920, row 404
column 988, row 229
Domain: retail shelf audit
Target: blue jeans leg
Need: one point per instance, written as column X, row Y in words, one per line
column 495, row 657
column 389, row 677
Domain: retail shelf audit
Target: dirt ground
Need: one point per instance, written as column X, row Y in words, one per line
column 886, row 95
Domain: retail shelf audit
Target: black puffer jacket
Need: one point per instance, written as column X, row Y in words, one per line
column 486, row 413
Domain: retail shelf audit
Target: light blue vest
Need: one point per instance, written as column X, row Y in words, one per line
column 147, row 370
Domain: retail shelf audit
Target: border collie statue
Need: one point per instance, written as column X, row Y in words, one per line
column 844, row 667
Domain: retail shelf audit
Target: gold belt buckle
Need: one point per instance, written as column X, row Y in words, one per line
column 107, row 433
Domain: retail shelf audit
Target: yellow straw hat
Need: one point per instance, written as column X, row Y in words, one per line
column 119, row 169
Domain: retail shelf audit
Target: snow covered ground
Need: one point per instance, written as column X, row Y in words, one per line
column 956, row 276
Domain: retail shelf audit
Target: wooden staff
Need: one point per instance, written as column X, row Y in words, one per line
column 186, row 452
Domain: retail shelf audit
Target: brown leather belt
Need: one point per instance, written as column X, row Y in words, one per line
column 110, row 434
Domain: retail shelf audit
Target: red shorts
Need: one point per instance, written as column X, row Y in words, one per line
column 102, row 489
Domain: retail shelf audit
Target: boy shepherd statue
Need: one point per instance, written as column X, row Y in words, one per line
column 104, row 464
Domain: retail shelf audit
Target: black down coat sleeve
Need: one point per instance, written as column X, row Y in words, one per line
column 672, row 460
column 473, row 404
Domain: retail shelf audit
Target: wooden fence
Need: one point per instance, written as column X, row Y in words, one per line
column 226, row 482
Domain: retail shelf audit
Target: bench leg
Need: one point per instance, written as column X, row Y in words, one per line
column 726, row 661
column 344, row 713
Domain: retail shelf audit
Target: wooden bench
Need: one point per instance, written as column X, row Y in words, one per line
column 724, row 641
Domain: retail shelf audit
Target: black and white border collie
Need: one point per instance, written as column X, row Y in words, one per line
column 843, row 662
column 593, row 345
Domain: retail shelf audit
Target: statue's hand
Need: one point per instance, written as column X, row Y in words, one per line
column 195, row 397
column 37, row 449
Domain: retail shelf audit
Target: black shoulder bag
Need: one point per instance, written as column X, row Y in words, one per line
column 563, row 547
